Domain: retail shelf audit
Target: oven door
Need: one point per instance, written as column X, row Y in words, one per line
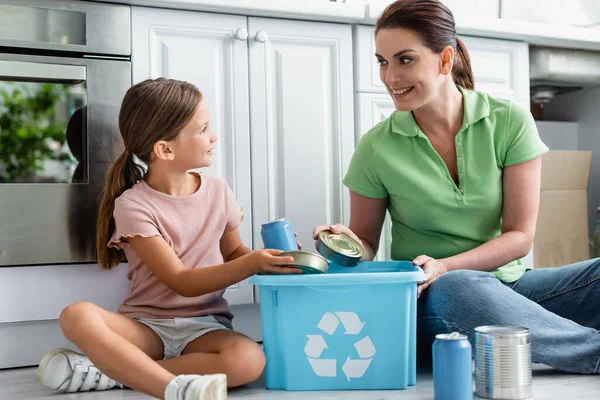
column 58, row 137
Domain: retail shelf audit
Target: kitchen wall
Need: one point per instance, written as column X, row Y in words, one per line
column 583, row 107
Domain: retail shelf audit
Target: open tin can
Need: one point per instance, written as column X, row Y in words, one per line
column 339, row 248
column 309, row 263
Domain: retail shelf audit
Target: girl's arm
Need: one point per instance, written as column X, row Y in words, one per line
column 160, row 258
column 232, row 246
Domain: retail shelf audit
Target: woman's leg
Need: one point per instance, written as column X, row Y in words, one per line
column 462, row 300
column 222, row 351
column 573, row 291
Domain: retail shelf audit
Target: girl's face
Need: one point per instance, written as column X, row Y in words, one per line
column 410, row 71
column 194, row 144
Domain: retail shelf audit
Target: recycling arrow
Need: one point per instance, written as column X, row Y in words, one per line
column 355, row 368
column 328, row 323
column 325, row 367
column 315, row 346
column 365, row 347
column 351, row 322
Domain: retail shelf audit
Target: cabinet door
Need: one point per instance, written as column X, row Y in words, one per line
column 202, row 49
column 372, row 109
column 500, row 67
column 301, row 111
column 368, row 68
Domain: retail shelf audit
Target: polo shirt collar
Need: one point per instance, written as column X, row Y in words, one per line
column 476, row 107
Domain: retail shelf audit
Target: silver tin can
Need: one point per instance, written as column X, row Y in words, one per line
column 310, row 263
column 503, row 362
column 339, row 248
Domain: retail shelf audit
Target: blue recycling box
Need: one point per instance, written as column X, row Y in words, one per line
column 352, row 328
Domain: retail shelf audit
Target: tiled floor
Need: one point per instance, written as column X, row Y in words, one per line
column 548, row 384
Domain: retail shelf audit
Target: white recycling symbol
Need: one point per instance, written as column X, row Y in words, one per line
column 352, row 368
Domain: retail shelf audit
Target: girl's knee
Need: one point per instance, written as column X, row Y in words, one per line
column 77, row 316
column 247, row 359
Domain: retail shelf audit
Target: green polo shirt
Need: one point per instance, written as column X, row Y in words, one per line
column 430, row 213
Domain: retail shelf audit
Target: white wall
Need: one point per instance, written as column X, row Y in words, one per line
column 582, row 13
column 483, row 8
column 559, row 135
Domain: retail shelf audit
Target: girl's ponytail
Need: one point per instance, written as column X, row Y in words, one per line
column 122, row 175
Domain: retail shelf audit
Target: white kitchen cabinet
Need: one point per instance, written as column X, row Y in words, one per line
column 372, row 109
column 500, row 67
column 301, row 123
column 291, row 159
column 203, row 49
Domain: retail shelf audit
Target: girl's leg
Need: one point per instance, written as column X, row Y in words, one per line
column 227, row 352
column 123, row 350
column 120, row 347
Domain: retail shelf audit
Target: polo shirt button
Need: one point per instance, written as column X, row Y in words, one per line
column 460, row 175
column 459, row 159
column 458, row 144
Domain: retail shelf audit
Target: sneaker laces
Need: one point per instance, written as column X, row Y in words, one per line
column 87, row 378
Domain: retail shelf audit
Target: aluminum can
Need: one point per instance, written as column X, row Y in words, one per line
column 339, row 248
column 452, row 367
column 503, row 362
column 279, row 235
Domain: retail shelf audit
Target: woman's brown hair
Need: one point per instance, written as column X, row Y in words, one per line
column 152, row 110
column 434, row 23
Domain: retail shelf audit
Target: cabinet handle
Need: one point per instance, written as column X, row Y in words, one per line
column 261, row 37
column 241, row 34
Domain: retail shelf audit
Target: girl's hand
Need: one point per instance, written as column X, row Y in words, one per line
column 268, row 261
column 337, row 228
column 433, row 269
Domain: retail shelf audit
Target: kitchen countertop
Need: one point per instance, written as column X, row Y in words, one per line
column 533, row 33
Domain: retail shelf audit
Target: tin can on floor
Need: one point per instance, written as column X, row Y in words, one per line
column 279, row 235
column 452, row 370
column 503, row 362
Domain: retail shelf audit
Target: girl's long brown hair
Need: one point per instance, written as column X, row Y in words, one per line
column 434, row 23
column 152, row 110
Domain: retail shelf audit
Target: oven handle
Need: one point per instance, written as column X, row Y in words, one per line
column 25, row 71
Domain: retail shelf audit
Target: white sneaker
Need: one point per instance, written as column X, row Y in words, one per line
column 64, row 370
column 197, row 387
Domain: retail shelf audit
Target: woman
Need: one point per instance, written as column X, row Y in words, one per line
column 459, row 172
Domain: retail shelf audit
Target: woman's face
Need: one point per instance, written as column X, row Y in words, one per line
column 410, row 71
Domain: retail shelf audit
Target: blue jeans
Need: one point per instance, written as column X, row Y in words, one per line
column 560, row 306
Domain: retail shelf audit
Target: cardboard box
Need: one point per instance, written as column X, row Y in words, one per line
column 562, row 226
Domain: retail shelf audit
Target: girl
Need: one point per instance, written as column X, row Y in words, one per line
column 172, row 337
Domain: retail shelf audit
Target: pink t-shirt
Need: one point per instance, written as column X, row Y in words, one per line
column 193, row 226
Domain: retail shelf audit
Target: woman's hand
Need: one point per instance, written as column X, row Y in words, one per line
column 433, row 269
column 269, row 261
column 337, row 228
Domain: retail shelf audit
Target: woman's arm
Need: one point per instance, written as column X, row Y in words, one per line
column 366, row 220
column 521, row 200
column 521, row 187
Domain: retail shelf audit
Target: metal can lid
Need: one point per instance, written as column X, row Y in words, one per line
column 450, row 336
column 501, row 330
column 341, row 243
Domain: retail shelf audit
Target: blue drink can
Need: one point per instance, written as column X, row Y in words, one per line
column 279, row 235
column 452, row 368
